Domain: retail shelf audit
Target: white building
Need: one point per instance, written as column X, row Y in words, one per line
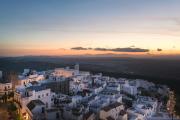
column 35, row 110
column 5, row 88
column 23, row 80
column 114, row 87
column 111, row 111
column 66, row 72
column 24, row 96
column 130, row 89
column 144, row 107
column 91, row 96
column 97, row 103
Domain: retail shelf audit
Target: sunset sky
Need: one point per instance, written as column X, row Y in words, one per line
column 53, row 27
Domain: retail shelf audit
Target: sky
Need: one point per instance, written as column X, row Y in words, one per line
column 38, row 27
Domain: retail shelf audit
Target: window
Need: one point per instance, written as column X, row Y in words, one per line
column 43, row 109
column 42, row 95
column 46, row 94
column 57, row 115
column 39, row 96
column 46, row 105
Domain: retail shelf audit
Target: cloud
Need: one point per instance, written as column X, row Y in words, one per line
column 130, row 50
column 158, row 49
column 101, row 49
column 127, row 49
column 79, row 48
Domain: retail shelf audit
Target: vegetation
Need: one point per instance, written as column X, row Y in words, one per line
column 12, row 107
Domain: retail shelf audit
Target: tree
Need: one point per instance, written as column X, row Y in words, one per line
column 12, row 107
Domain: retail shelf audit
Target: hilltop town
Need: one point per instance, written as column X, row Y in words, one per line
column 71, row 94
